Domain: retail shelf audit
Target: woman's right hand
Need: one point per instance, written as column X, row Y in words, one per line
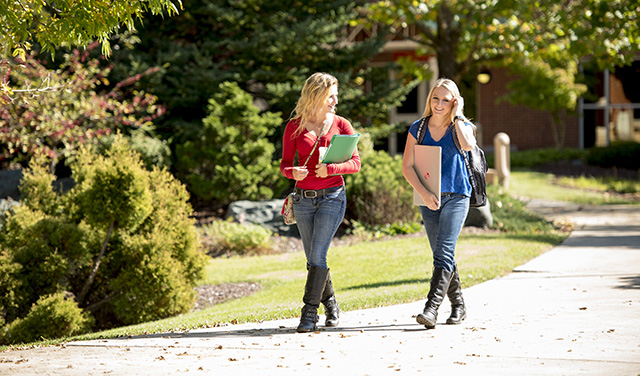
column 299, row 173
column 430, row 201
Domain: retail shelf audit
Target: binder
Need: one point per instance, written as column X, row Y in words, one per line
column 427, row 164
column 340, row 149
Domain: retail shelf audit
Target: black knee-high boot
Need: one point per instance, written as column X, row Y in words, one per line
column 331, row 308
column 316, row 279
column 439, row 286
column 458, row 309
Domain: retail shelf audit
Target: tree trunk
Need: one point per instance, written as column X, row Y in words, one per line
column 446, row 44
column 94, row 271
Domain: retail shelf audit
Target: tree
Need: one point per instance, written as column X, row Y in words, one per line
column 526, row 36
column 55, row 111
column 269, row 48
column 469, row 33
column 76, row 23
column 540, row 86
column 232, row 158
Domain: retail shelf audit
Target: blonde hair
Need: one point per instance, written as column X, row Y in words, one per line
column 313, row 96
column 447, row 84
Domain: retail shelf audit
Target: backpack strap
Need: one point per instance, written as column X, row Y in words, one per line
column 422, row 129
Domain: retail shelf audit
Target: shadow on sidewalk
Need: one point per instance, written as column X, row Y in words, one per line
column 629, row 283
column 282, row 330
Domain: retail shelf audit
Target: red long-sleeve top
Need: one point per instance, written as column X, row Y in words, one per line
column 303, row 143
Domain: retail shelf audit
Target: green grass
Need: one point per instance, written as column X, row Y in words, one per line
column 539, row 185
column 365, row 275
column 379, row 273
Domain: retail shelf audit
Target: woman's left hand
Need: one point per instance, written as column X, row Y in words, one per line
column 458, row 107
column 321, row 170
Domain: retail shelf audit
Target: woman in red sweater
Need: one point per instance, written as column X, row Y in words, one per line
column 320, row 201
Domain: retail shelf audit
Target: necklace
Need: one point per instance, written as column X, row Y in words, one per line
column 317, row 128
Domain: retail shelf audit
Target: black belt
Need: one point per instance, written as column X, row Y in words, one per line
column 311, row 193
column 445, row 194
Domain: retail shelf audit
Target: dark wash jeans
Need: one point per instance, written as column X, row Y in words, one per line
column 318, row 219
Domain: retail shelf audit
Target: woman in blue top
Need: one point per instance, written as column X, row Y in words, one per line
column 443, row 220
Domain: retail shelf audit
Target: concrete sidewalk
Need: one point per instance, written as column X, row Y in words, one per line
column 575, row 310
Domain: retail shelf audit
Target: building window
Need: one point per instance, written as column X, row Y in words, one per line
column 410, row 104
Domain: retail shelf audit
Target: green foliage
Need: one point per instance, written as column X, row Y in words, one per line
column 56, row 111
column 511, row 215
column 152, row 150
column 465, row 35
column 366, row 232
column 379, row 194
column 548, row 85
column 232, row 158
column 9, row 285
column 53, row 24
column 602, row 184
column 37, row 189
column 227, row 237
column 52, row 316
column 142, row 268
column 621, row 154
column 536, row 157
column 118, row 181
column 269, row 48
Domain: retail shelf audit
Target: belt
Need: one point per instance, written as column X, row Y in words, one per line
column 312, row 193
column 445, row 194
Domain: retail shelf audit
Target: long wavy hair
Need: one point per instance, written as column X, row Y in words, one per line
column 313, row 96
column 447, row 84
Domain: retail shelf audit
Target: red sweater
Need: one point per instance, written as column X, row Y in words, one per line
column 303, row 143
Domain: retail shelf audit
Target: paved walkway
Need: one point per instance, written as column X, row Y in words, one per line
column 575, row 310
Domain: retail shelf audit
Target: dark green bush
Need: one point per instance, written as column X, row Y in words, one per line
column 379, row 194
column 621, row 154
column 537, row 157
column 121, row 241
column 52, row 316
column 232, row 159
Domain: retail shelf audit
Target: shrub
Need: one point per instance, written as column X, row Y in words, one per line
column 622, row 154
column 52, row 316
column 536, row 157
column 364, row 232
column 379, row 194
column 121, row 241
column 241, row 238
column 78, row 107
column 232, row 159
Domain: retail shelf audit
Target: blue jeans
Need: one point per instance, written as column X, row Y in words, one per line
column 443, row 228
column 318, row 219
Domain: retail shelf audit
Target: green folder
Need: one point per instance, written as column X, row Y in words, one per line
column 341, row 148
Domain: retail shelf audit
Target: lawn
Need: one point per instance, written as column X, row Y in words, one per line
column 383, row 272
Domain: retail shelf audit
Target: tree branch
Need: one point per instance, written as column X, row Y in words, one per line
column 95, row 306
column 92, row 276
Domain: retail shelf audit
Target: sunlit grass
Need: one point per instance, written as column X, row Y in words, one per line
column 365, row 275
column 539, row 185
